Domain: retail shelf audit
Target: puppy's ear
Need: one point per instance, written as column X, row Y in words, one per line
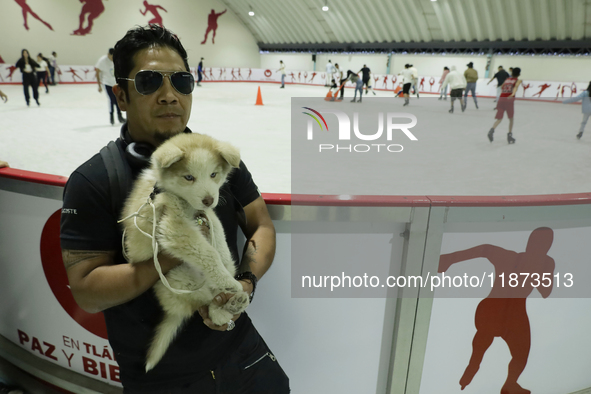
column 229, row 153
column 167, row 155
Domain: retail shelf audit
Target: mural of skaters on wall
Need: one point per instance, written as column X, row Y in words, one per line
column 92, row 8
column 212, row 24
column 153, row 8
column 503, row 312
column 27, row 10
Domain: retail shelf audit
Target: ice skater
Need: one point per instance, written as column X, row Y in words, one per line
column 500, row 76
column 366, row 77
column 28, row 67
column 329, row 71
column 351, row 76
column 585, row 96
column 42, row 71
column 503, row 312
column 282, row 70
column 407, row 78
column 200, row 72
column 105, row 75
column 443, row 92
column 506, row 103
column 457, row 83
column 471, row 76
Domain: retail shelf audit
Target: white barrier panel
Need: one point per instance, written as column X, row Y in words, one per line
column 411, row 344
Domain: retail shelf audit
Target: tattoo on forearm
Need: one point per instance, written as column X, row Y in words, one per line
column 73, row 257
column 250, row 253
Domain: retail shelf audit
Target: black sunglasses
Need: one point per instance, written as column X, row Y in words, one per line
column 149, row 81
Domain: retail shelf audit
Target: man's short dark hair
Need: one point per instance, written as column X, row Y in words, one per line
column 140, row 38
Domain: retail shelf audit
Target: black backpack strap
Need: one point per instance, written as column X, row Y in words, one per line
column 120, row 177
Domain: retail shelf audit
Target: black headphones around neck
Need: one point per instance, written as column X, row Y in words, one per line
column 137, row 153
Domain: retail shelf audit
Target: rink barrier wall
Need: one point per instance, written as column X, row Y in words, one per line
column 428, row 84
column 398, row 360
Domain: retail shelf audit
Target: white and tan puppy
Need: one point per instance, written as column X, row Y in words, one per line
column 188, row 170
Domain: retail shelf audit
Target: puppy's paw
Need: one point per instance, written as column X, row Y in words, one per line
column 219, row 316
column 238, row 303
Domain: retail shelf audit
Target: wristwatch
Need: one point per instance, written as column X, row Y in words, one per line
column 252, row 278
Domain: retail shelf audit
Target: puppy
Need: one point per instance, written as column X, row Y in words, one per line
column 183, row 182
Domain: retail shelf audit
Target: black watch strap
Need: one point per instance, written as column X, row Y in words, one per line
column 252, row 278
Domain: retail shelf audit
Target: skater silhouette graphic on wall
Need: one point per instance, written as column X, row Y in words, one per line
column 27, row 10
column 74, row 74
column 431, row 83
column 153, row 8
column 525, row 87
column 376, row 79
column 212, row 24
column 292, row 77
column 312, row 78
column 542, row 88
column 92, row 8
column 11, row 69
column 503, row 313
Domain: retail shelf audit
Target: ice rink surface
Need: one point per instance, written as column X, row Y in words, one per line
column 451, row 157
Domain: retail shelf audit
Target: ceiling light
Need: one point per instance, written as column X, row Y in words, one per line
column 325, row 8
column 251, row 13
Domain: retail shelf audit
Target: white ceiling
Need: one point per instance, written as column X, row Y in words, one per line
column 386, row 21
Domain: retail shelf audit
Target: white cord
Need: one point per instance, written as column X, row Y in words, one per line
column 154, row 245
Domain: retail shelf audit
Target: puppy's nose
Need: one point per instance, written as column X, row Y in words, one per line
column 207, row 201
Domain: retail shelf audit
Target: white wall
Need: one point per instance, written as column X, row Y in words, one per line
column 234, row 44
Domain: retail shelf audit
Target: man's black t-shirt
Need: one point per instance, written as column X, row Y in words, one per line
column 91, row 224
column 365, row 72
column 501, row 76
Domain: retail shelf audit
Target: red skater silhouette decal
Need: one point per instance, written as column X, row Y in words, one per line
column 153, row 8
column 92, row 8
column 292, row 77
column 431, row 82
column 313, row 75
column 212, row 24
column 233, row 76
column 211, row 73
column 376, row 81
column 542, row 88
column 239, row 75
column 305, row 76
column 422, row 84
column 385, row 83
column 11, row 69
column 573, row 89
column 74, row 75
column 249, row 73
column 27, row 10
column 525, row 87
column 86, row 71
column 503, row 313
column 300, row 76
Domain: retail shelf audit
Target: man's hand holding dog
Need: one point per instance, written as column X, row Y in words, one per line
column 219, row 300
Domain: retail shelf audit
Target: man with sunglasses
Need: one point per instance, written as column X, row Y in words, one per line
column 154, row 88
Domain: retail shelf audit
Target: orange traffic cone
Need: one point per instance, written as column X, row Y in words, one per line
column 259, row 98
